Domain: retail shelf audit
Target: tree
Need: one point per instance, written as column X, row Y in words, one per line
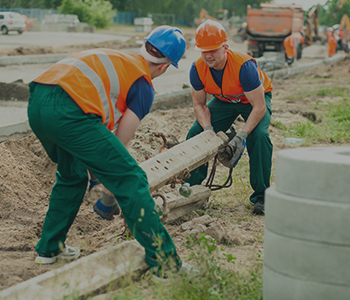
column 50, row 4
column 97, row 13
column 101, row 13
column 330, row 14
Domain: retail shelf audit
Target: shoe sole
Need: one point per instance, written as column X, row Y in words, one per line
column 45, row 260
column 51, row 260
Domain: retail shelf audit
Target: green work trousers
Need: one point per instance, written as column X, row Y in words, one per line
column 77, row 141
column 259, row 145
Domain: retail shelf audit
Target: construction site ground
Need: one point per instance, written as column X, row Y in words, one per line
column 27, row 174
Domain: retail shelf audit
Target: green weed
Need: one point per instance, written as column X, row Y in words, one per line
column 333, row 92
column 278, row 124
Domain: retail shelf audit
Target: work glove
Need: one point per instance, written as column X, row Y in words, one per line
column 231, row 133
column 230, row 154
column 106, row 207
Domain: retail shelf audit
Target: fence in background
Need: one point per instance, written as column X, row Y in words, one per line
column 31, row 13
column 119, row 18
column 162, row 19
column 125, row 17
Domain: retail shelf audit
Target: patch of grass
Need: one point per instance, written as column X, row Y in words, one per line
column 335, row 91
column 340, row 113
column 334, row 127
column 301, row 130
column 300, row 94
column 278, row 124
column 217, row 280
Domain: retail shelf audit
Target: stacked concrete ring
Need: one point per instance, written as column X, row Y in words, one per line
column 307, row 237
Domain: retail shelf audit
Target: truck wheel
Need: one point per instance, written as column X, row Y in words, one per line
column 4, row 30
column 20, row 31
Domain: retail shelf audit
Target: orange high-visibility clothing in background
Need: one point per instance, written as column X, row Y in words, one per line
column 290, row 43
column 231, row 89
column 98, row 80
column 332, row 45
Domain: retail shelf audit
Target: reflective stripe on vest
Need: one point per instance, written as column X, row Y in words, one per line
column 97, row 82
column 231, row 89
column 237, row 97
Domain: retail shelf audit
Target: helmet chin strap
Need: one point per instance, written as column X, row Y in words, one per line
column 151, row 58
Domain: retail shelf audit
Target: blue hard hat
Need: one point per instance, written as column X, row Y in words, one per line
column 169, row 41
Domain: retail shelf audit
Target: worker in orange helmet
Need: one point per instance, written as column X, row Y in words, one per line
column 73, row 108
column 291, row 44
column 332, row 44
column 239, row 87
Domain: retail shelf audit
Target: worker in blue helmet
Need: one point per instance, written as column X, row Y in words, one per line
column 164, row 38
column 85, row 110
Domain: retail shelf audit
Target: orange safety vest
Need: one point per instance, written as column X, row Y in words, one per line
column 289, row 43
column 98, row 80
column 231, row 89
column 332, row 45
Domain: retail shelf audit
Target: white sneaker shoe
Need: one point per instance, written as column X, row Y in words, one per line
column 185, row 269
column 69, row 253
column 189, row 270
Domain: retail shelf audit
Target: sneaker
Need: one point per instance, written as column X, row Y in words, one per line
column 259, row 207
column 189, row 270
column 185, row 269
column 69, row 253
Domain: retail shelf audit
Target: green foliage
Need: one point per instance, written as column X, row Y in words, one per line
column 97, row 13
column 330, row 14
column 50, row 4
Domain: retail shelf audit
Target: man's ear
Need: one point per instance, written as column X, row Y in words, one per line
column 163, row 67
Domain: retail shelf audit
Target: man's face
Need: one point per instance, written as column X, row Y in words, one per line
column 216, row 58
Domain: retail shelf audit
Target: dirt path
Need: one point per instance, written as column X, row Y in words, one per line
column 27, row 176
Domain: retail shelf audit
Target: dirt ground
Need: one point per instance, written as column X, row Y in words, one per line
column 27, row 176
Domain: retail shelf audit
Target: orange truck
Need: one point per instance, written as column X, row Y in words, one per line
column 268, row 26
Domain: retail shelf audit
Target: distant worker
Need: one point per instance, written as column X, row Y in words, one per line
column 291, row 44
column 332, row 44
column 239, row 87
column 73, row 108
column 342, row 44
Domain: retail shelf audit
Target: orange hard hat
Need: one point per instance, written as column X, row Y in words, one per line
column 210, row 35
